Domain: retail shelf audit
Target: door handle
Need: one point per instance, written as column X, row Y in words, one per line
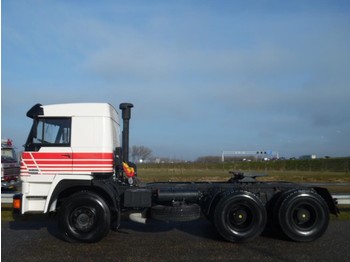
column 66, row 155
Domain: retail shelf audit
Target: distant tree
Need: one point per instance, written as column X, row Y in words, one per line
column 140, row 152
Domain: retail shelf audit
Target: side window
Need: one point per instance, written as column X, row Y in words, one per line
column 53, row 132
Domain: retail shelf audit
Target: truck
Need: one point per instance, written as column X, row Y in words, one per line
column 9, row 165
column 76, row 165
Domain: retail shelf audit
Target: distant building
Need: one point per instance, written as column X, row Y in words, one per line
column 307, row 157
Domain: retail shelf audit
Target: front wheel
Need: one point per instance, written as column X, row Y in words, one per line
column 303, row 215
column 240, row 216
column 84, row 217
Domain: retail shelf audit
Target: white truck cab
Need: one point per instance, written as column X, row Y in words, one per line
column 67, row 141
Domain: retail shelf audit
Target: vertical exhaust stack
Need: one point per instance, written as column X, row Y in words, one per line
column 126, row 115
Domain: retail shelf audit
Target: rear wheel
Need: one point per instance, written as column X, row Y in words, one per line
column 303, row 215
column 240, row 216
column 84, row 217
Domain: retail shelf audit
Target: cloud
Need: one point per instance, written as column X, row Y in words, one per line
column 228, row 76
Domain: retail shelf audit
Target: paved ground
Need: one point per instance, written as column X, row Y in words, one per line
column 37, row 240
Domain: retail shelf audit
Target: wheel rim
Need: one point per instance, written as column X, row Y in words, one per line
column 83, row 219
column 239, row 218
column 304, row 217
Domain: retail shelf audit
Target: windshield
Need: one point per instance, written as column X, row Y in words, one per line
column 8, row 154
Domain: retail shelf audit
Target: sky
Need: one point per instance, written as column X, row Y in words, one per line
column 204, row 76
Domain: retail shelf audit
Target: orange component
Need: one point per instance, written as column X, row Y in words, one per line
column 129, row 171
column 16, row 204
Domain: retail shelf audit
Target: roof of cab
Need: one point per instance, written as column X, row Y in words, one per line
column 73, row 109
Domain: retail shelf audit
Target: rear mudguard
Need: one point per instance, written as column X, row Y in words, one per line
column 331, row 202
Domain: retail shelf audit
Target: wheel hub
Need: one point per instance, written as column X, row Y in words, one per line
column 303, row 215
column 83, row 218
column 239, row 217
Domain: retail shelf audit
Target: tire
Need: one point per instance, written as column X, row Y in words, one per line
column 84, row 217
column 303, row 215
column 176, row 213
column 240, row 216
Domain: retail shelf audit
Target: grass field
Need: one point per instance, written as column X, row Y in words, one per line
column 212, row 175
column 183, row 174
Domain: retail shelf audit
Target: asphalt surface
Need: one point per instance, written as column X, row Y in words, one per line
column 38, row 240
